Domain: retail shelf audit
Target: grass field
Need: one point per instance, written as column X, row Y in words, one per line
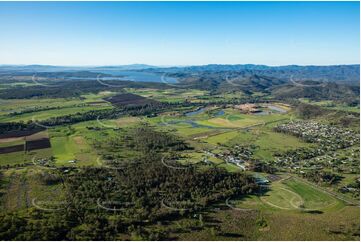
column 8, row 105
column 338, row 222
column 62, row 106
column 12, row 158
column 42, row 115
column 267, row 142
column 71, row 147
column 312, row 198
column 168, row 95
column 289, row 194
column 222, row 138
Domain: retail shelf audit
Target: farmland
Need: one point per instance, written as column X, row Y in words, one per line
column 180, row 121
column 212, row 166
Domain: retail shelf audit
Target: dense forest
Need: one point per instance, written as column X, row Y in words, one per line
column 105, row 203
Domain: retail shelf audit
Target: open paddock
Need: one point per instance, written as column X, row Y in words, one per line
column 289, row 194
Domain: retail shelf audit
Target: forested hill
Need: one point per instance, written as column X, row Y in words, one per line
column 335, row 73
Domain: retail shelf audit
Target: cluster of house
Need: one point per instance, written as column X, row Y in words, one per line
column 343, row 160
column 43, row 161
column 346, row 161
column 330, row 137
column 240, row 156
column 335, row 148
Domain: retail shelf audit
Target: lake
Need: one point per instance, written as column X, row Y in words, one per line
column 137, row 76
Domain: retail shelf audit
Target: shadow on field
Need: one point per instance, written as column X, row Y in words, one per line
column 231, row 235
column 314, row 212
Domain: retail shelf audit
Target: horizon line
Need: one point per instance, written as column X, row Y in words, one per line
column 165, row 66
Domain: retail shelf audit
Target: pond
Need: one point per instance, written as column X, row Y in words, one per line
column 277, row 108
column 193, row 113
column 219, row 113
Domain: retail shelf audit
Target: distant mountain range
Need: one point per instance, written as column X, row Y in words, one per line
column 333, row 73
column 50, row 68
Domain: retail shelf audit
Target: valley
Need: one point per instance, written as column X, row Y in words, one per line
column 161, row 161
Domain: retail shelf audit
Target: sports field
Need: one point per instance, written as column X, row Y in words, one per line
column 292, row 195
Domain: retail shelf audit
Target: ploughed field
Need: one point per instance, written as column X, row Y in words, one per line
column 129, row 99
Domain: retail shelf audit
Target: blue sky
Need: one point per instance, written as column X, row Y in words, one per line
column 179, row 33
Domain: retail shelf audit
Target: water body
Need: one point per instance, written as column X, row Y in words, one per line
column 278, row 109
column 198, row 111
column 107, row 78
column 138, row 76
column 219, row 113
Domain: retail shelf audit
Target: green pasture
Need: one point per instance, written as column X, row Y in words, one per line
column 168, row 95
column 13, row 158
column 234, row 119
column 42, row 115
column 312, row 198
column 64, row 106
column 71, row 145
column 11, row 105
column 267, row 142
column 222, row 138
column 290, row 195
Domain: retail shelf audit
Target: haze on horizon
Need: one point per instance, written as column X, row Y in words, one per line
column 179, row 33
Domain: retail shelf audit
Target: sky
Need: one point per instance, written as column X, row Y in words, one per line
column 179, row 33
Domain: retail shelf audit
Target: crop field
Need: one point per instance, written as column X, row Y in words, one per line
column 128, row 99
column 17, row 134
column 11, row 142
column 11, row 149
column 21, row 150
